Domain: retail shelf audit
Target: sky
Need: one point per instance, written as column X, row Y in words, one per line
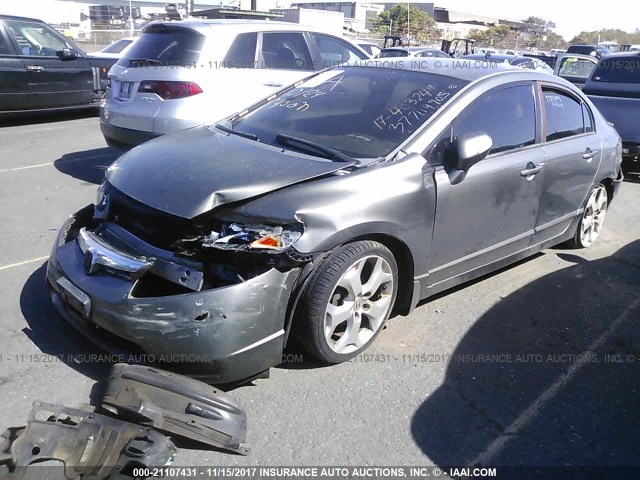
column 570, row 16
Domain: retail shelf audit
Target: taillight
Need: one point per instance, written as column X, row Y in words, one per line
column 169, row 90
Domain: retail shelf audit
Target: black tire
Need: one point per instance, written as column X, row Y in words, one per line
column 324, row 288
column 579, row 240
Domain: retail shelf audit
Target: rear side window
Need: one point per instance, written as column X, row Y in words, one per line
column 563, row 115
column 161, row 45
column 507, row 115
column 334, row 51
column 618, row 70
column 242, row 53
column 285, row 51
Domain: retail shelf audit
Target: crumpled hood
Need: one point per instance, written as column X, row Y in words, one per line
column 196, row 170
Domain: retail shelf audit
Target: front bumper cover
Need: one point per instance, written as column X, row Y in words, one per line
column 222, row 335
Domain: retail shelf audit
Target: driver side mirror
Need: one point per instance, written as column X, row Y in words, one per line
column 468, row 149
column 67, row 54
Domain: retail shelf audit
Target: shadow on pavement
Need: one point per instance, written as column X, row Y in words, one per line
column 34, row 118
column 549, row 376
column 52, row 334
column 89, row 165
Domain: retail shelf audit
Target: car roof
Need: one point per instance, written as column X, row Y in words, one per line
column 237, row 25
column 14, row 17
column 620, row 55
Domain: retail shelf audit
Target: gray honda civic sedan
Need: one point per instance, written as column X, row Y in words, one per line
column 322, row 209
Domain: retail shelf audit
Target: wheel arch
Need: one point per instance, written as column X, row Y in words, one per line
column 404, row 259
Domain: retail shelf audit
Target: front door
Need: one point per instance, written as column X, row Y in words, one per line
column 53, row 82
column 14, row 86
column 492, row 212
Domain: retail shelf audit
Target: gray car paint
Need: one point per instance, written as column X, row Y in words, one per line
column 443, row 234
column 206, row 169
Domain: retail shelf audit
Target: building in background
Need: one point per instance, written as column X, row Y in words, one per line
column 323, row 20
column 358, row 16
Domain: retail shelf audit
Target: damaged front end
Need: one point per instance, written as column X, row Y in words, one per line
column 209, row 297
column 177, row 405
column 91, row 446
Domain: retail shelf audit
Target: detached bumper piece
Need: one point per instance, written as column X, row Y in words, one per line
column 92, row 446
column 177, row 405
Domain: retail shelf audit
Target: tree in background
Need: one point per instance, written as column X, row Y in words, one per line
column 421, row 27
column 536, row 33
column 608, row 34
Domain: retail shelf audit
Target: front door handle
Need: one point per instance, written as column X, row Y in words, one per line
column 273, row 84
column 35, row 68
column 531, row 169
column 589, row 154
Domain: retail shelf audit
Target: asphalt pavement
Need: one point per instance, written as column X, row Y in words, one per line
column 538, row 364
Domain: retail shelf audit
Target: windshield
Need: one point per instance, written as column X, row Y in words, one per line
column 117, row 46
column 161, row 45
column 363, row 112
column 618, row 70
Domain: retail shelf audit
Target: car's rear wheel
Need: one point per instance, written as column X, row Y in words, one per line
column 348, row 301
column 592, row 218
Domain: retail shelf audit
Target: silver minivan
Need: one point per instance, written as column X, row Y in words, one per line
column 182, row 74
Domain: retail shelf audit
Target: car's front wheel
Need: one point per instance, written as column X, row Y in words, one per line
column 348, row 301
column 592, row 218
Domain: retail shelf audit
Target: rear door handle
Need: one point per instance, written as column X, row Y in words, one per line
column 272, row 84
column 589, row 154
column 35, row 68
column 531, row 169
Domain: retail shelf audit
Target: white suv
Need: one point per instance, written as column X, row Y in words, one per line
column 181, row 74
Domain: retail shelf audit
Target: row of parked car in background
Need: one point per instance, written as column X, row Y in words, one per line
column 179, row 74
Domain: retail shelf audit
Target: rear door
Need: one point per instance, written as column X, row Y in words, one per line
column 490, row 214
column 14, row 85
column 53, row 82
column 573, row 153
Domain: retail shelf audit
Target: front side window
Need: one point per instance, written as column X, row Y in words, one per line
column 563, row 115
column 334, row 51
column 364, row 112
column 575, row 67
column 507, row 115
column 285, row 51
column 36, row 39
column 4, row 46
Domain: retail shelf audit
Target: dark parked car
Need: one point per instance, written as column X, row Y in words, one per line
column 317, row 211
column 614, row 87
column 40, row 70
column 574, row 67
column 593, row 50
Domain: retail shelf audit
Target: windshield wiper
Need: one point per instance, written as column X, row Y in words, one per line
column 309, row 146
column 250, row 136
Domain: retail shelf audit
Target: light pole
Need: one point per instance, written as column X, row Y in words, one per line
column 130, row 19
column 408, row 32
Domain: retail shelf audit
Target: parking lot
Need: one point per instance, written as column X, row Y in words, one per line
column 538, row 364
